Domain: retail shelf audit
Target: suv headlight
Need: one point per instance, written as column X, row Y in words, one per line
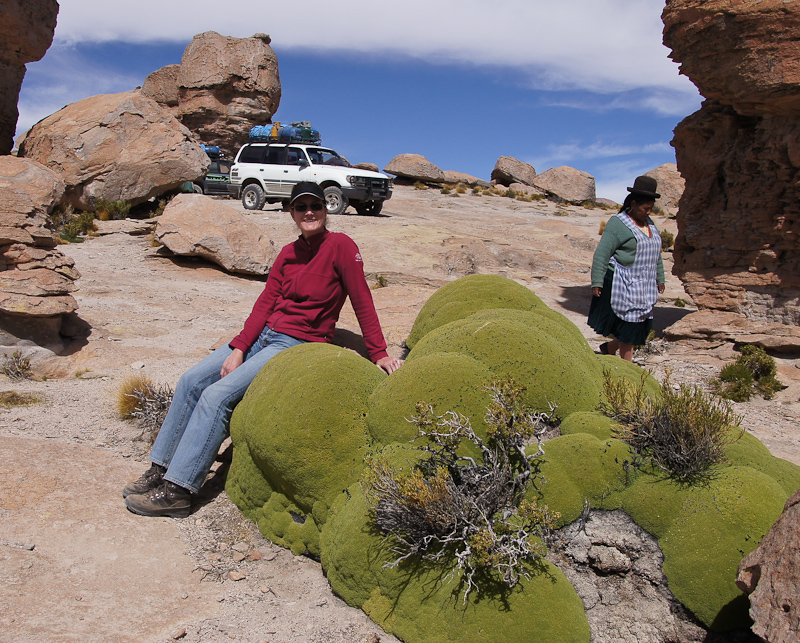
column 357, row 181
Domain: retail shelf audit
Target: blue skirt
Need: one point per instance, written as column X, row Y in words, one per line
column 604, row 321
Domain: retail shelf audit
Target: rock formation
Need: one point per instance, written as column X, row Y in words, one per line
column 414, row 167
column 670, row 187
column 466, row 179
column 566, row 184
column 26, row 31
column 198, row 226
column 737, row 247
column 771, row 576
column 35, row 278
column 509, row 170
column 222, row 88
column 115, row 147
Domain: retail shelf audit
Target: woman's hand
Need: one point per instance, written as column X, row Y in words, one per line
column 661, row 289
column 233, row 362
column 389, row 364
column 597, row 291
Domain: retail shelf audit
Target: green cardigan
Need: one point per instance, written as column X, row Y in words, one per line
column 618, row 241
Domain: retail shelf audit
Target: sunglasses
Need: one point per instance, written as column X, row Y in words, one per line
column 302, row 207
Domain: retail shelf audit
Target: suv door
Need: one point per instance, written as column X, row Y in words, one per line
column 295, row 169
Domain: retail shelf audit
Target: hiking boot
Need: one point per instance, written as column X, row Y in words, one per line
column 150, row 479
column 167, row 500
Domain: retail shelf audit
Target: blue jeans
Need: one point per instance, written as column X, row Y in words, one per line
column 197, row 421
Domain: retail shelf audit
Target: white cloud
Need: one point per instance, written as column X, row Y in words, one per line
column 67, row 77
column 598, row 45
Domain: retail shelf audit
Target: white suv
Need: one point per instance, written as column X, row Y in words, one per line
column 267, row 172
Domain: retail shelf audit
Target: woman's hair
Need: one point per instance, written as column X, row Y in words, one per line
column 634, row 198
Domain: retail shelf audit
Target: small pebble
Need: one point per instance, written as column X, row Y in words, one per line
column 255, row 555
column 238, row 557
column 179, row 633
column 236, row 576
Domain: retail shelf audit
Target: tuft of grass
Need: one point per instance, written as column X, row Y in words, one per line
column 16, row 367
column 419, row 185
column 602, row 227
column 589, row 205
column 380, row 282
column 139, row 399
column 561, row 212
column 461, row 188
column 477, row 190
column 111, row 210
column 667, row 239
column 680, row 303
column 70, row 225
column 9, row 399
column 684, row 432
column 753, row 372
column 446, row 189
column 511, row 194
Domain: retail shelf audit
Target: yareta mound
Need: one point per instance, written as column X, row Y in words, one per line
column 299, row 436
column 421, row 602
column 302, row 431
column 704, row 530
column 463, row 297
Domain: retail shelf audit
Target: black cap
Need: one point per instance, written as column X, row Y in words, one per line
column 644, row 186
column 306, row 188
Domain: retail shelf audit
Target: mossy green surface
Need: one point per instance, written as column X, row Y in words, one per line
column 591, row 422
column 467, row 295
column 532, row 349
column 417, row 602
column 448, row 381
column 304, row 421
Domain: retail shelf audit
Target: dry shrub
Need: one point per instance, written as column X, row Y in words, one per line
column 684, row 432
column 667, row 239
column 602, row 227
column 419, row 185
column 16, row 367
column 138, row 398
column 9, row 399
column 461, row 188
column 455, row 507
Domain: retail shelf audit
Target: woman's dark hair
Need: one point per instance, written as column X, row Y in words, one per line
column 635, row 198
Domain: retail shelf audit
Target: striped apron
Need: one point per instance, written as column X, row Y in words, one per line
column 634, row 291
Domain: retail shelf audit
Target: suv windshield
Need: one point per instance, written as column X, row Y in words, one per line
column 322, row 156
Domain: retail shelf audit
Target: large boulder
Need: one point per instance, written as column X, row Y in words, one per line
column 467, row 179
column 566, row 184
column 26, row 32
column 414, row 167
column 737, row 249
column 509, row 170
column 195, row 225
column 35, row 278
column 670, row 186
column 721, row 326
column 222, row 88
column 770, row 575
column 117, row 147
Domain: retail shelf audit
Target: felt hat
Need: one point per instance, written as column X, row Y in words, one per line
column 306, row 188
column 644, row 186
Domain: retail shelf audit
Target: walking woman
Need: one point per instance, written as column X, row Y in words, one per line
column 627, row 273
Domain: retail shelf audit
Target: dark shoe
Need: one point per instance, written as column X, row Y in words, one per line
column 150, row 479
column 604, row 348
column 167, row 500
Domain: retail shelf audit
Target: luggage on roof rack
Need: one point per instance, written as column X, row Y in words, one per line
column 297, row 132
column 212, row 151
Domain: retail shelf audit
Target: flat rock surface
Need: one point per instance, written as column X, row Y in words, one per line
column 96, row 572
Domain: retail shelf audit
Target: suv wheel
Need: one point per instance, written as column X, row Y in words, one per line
column 337, row 202
column 369, row 208
column 253, row 197
column 197, row 189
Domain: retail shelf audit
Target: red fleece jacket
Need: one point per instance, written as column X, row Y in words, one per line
column 306, row 289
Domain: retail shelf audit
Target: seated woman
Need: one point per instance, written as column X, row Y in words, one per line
column 301, row 301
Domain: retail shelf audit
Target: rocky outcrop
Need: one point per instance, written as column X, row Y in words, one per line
column 466, row 179
column 115, row 147
column 720, row 326
column 566, row 184
column 199, row 226
column 771, row 576
column 35, row 278
column 414, row 167
column 26, row 31
column 509, row 170
column 222, row 88
column 670, row 187
column 738, row 247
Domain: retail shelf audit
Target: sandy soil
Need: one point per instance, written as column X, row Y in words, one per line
column 76, row 566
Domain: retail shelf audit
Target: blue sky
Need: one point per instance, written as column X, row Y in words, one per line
column 585, row 83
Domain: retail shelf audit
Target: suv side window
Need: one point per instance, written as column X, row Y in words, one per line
column 275, row 155
column 293, row 156
column 251, row 154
